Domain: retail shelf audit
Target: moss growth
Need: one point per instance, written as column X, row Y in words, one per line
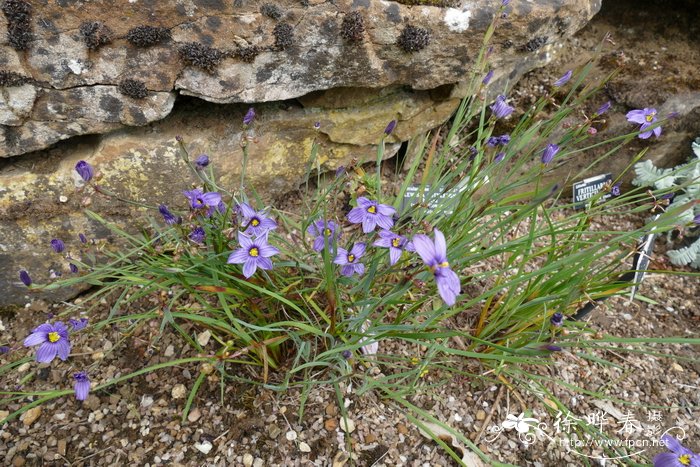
column 272, row 11
column 133, row 88
column 413, row 39
column 535, row 43
column 95, row 34
column 9, row 79
column 201, row 56
column 353, row 27
column 147, row 36
column 284, row 36
column 248, row 54
column 19, row 23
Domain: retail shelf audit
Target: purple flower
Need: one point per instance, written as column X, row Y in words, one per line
column 499, row 157
column 83, row 238
column 603, row 108
column 615, row 190
column 249, row 116
column 505, row 2
column 487, row 78
column 53, row 339
column 434, row 255
column 253, row 254
column 256, row 222
column 549, row 152
column 493, row 141
column 557, row 319
column 322, row 230
column 552, row 348
column 340, row 171
column 58, row 245
column 200, row 200
column 197, row 235
column 73, row 268
column 504, row 139
column 564, row 79
column 78, row 324
column 696, row 219
column 84, row 170
column 25, row 278
column 317, row 125
column 396, row 244
column 472, row 152
column 350, row 260
column 202, row 161
column 680, row 456
column 4, row 349
column 645, row 117
column 390, row 127
column 371, row 213
column 500, row 109
column 81, row 386
column 346, row 354
column 168, row 216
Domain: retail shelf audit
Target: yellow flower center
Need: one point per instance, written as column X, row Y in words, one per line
column 327, row 232
column 54, row 337
column 650, row 117
column 684, row 459
column 255, row 222
column 395, row 242
column 372, row 209
column 351, row 258
column 254, row 252
column 445, row 265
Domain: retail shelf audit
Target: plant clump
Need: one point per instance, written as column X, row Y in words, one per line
column 147, row 36
column 535, row 43
column 133, row 88
column 272, row 11
column 413, row 39
column 201, row 56
column 10, row 79
column 284, row 36
column 19, row 25
column 353, row 27
column 95, row 34
column 248, row 54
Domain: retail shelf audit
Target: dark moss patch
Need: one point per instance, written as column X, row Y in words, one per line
column 201, row 56
column 95, row 34
column 147, row 36
column 248, row 54
column 284, row 36
column 413, row 39
column 10, row 79
column 19, row 23
column 353, row 27
column 272, row 11
column 133, row 88
column 534, row 44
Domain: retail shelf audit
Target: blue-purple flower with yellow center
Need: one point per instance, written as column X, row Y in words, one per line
column 81, row 386
column 564, row 79
column 168, row 216
column 58, row 245
column 324, row 232
column 254, row 222
column 500, row 109
column 350, row 260
column 370, row 214
column 53, row 341
column 434, row 255
column 84, row 170
column 198, row 199
column 396, row 244
column 646, row 118
column 197, row 235
column 253, row 254
column 549, row 152
column 680, row 456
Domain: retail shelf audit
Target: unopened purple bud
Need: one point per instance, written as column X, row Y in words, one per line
column 668, row 196
column 603, row 108
column 500, row 109
column 202, row 161
column 168, row 216
column 84, row 170
column 557, row 319
column 58, row 245
column 564, row 79
column 505, row 2
column 81, row 386
column 499, row 157
column 696, row 219
column 673, row 115
column 492, row 141
column 249, row 116
column 4, row 349
column 340, row 171
column 615, row 190
column 504, row 139
column 178, row 138
column 549, row 152
column 73, row 268
column 487, row 78
column 317, row 126
column 347, row 354
column 82, row 237
column 24, row 277
column 390, row 127
column 553, row 348
column 472, row 152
